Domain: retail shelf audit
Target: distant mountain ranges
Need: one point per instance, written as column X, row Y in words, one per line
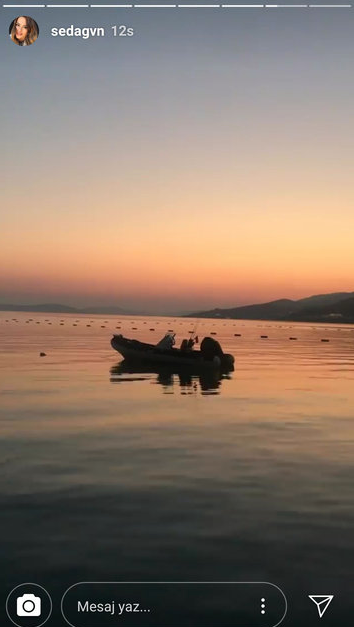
column 337, row 307
column 63, row 309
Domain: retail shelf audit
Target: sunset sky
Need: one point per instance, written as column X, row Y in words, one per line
column 206, row 161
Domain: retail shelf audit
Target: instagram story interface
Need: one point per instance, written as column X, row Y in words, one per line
column 177, row 314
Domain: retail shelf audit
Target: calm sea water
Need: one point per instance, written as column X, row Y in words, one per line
column 113, row 475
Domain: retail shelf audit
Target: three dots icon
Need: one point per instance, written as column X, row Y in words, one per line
column 263, row 607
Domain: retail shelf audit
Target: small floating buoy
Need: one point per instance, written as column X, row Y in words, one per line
column 49, row 323
column 170, row 330
column 61, row 324
column 237, row 334
column 134, row 328
column 324, row 340
column 103, row 326
column 212, row 333
column 88, row 325
column 292, row 338
column 264, row 337
column 37, row 322
column 151, row 329
column 27, row 321
column 118, row 327
column 74, row 325
column 42, row 354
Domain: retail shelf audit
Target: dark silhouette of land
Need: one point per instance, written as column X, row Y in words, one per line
column 337, row 307
column 63, row 309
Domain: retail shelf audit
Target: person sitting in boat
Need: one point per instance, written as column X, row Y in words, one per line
column 187, row 345
column 167, row 342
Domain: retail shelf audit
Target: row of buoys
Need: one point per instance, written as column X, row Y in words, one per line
column 265, row 337
column 153, row 329
column 62, row 323
column 77, row 321
column 295, row 338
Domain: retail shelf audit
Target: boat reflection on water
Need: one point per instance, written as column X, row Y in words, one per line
column 189, row 381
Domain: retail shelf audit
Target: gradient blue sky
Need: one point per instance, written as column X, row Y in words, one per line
column 206, row 161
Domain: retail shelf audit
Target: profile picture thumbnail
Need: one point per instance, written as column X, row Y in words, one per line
column 24, row 30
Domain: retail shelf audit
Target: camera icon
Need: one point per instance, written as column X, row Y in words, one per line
column 28, row 605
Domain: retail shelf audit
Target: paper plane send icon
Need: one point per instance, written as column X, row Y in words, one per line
column 322, row 601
